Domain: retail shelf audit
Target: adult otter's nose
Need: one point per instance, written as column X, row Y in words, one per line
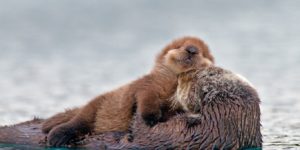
column 192, row 50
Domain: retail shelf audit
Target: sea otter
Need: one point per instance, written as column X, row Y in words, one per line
column 113, row 111
column 221, row 112
column 225, row 107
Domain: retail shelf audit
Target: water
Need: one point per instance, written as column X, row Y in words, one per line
column 60, row 54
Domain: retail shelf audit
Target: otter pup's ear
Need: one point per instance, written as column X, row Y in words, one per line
column 208, row 55
column 211, row 58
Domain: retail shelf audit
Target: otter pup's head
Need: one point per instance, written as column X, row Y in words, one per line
column 185, row 54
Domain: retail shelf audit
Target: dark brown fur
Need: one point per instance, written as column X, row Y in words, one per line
column 113, row 110
column 226, row 109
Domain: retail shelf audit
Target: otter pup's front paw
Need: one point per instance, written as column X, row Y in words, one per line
column 60, row 135
column 152, row 118
column 49, row 124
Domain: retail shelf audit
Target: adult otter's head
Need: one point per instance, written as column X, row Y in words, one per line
column 212, row 84
column 185, row 54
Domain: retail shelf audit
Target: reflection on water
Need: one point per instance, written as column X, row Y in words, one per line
column 60, row 54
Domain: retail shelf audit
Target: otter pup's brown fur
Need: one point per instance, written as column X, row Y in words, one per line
column 113, row 110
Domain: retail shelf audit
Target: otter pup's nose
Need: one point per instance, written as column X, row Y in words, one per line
column 192, row 50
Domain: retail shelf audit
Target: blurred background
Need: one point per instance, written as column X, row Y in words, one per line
column 57, row 54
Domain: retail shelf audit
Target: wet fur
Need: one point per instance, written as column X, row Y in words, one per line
column 223, row 113
column 113, row 111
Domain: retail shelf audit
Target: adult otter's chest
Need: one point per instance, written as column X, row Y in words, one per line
column 184, row 87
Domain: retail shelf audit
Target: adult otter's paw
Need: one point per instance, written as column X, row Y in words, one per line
column 193, row 120
column 61, row 135
column 152, row 118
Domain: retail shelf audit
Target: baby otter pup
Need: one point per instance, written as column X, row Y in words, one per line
column 113, row 111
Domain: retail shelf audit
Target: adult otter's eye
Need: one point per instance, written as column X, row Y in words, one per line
column 191, row 49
